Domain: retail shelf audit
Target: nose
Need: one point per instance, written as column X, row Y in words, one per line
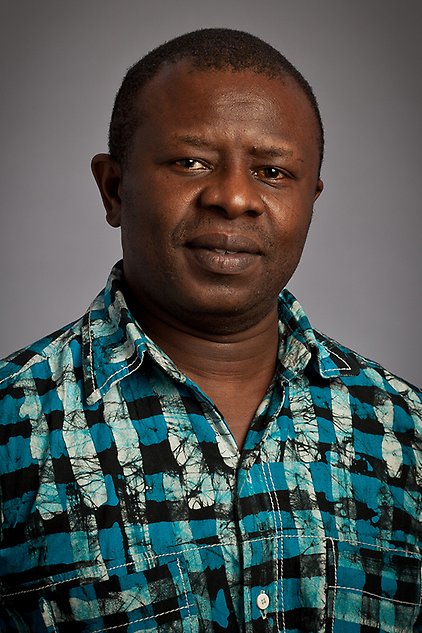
column 233, row 192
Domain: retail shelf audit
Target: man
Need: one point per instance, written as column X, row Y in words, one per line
column 191, row 455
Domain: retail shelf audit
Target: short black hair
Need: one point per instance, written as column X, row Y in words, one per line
column 206, row 49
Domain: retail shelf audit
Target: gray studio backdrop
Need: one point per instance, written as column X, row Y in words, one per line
column 61, row 64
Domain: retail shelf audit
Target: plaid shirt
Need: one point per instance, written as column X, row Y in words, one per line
column 126, row 505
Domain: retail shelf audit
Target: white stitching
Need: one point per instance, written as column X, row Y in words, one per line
column 331, row 540
column 384, row 549
column 411, row 555
column 373, row 595
column 278, row 547
column 118, row 370
column 40, row 588
column 150, row 617
column 280, row 554
column 91, row 364
column 53, row 618
column 149, row 557
column 184, row 590
column 47, row 606
column 13, row 375
column 347, row 368
column 32, row 361
column 420, row 589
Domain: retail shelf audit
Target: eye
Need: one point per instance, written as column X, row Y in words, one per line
column 190, row 164
column 269, row 173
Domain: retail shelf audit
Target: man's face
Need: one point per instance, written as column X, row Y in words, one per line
column 217, row 195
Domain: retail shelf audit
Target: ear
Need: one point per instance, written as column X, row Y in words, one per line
column 318, row 190
column 107, row 174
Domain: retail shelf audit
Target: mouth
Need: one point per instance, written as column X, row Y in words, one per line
column 225, row 254
column 225, row 244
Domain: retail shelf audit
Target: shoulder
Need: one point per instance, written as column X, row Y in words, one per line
column 364, row 369
column 373, row 389
column 30, row 383
column 46, row 353
column 34, row 391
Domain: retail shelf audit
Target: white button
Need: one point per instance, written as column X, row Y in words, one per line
column 262, row 601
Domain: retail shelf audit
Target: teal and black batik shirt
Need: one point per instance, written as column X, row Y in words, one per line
column 126, row 505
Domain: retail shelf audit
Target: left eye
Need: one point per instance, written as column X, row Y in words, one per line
column 269, row 173
column 190, row 163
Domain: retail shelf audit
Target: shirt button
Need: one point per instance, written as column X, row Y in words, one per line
column 262, row 601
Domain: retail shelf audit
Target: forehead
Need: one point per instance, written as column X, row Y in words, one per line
column 181, row 96
column 185, row 79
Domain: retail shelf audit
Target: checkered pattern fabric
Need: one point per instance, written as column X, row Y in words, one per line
column 126, row 505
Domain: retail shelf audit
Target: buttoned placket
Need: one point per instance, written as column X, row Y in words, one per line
column 262, row 551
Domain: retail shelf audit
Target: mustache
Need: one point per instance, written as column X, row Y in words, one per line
column 187, row 230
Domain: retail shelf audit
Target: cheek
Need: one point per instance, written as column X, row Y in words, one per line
column 293, row 224
column 139, row 219
column 154, row 209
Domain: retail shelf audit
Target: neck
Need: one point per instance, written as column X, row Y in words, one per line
column 237, row 354
column 237, row 357
column 234, row 370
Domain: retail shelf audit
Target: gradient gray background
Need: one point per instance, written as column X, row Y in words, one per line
column 61, row 64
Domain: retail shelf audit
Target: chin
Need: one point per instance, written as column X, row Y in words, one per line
column 227, row 316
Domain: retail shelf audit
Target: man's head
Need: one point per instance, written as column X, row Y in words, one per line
column 215, row 197
column 206, row 49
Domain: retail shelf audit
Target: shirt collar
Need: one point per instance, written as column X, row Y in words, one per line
column 306, row 349
column 114, row 345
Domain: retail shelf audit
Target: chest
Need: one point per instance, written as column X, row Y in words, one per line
column 149, row 498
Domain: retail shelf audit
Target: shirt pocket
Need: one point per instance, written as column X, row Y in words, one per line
column 375, row 588
column 156, row 600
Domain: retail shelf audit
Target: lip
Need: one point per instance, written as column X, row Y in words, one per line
column 225, row 242
column 223, row 254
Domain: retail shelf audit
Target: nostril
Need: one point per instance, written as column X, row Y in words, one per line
column 253, row 213
column 232, row 203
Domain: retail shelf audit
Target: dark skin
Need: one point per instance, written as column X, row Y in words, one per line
column 214, row 206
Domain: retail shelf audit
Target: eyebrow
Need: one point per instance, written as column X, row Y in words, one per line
column 271, row 152
column 264, row 151
column 188, row 139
